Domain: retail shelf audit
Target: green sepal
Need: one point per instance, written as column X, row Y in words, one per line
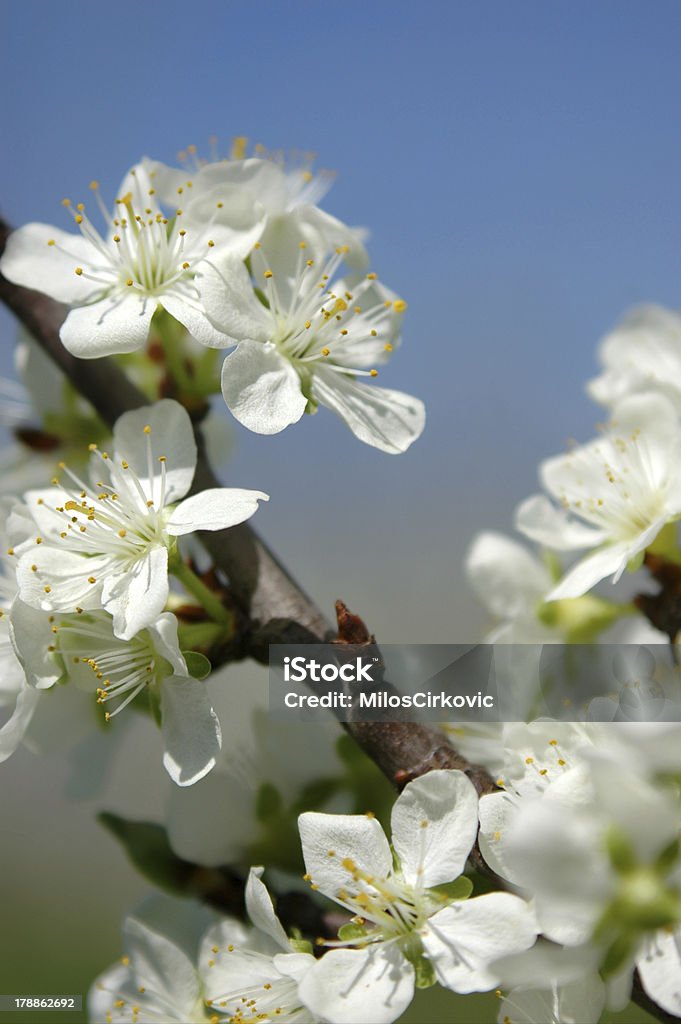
column 669, row 857
column 349, row 932
column 425, row 973
column 198, row 664
column 459, row 889
column 619, row 952
column 301, row 946
column 620, row 851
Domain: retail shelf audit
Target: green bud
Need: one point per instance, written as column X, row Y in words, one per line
column 349, row 932
column 460, row 889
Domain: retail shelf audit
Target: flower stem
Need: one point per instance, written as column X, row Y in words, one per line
column 208, row 600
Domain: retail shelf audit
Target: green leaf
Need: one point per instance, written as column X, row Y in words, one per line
column 148, row 848
column 268, row 802
column 198, row 664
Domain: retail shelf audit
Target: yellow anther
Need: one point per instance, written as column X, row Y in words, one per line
column 124, row 464
column 529, row 760
column 34, row 568
column 79, row 271
column 78, row 218
column 129, row 282
column 388, row 347
column 219, row 205
column 66, row 202
column 47, row 589
column 122, row 532
column 268, row 274
column 147, row 429
column 374, row 334
column 326, row 351
column 182, row 233
column 92, row 579
column 399, row 305
column 372, row 276
column 185, row 266
column 308, row 325
column 10, row 551
column 211, row 243
column 51, row 241
column 373, row 373
column 239, row 143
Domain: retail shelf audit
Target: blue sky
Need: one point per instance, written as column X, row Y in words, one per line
column 518, row 165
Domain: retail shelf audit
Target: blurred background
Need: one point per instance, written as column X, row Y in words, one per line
column 518, row 166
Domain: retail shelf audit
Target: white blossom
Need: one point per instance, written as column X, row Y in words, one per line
column 106, row 544
column 642, row 354
column 308, row 346
column 412, row 922
column 114, row 282
column 616, row 494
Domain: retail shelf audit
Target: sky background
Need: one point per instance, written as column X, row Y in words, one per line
column 518, row 165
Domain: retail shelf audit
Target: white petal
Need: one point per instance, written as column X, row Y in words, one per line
column 31, row 636
column 191, row 731
column 389, row 420
column 65, row 573
column 434, row 823
column 171, row 436
column 261, row 388
column 215, row 509
column 610, row 560
column 161, row 968
column 540, row 520
column 227, row 295
column 261, row 911
column 194, row 319
column 12, row 732
column 507, row 578
column 164, row 635
column 660, row 969
column 329, row 839
column 465, row 938
column 372, row 985
column 29, row 261
column 136, row 597
column 497, row 811
column 578, row 1001
column 118, row 323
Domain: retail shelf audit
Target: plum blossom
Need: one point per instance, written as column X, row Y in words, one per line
column 642, row 354
column 308, row 346
column 114, row 282
column 82, row 649
column 239, row 973
column 412, row 923
column 107, row 544
column 285, row 191
column 616, row 494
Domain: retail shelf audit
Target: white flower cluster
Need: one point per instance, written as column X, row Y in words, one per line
column 587, row 819
column 409, row 923
column 85, row 585
column 239, row 254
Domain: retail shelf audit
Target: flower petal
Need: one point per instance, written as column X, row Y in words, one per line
column 540, row 520
column 170, row 436
column 434, row 823
column 227, row 295
column 28, row 260
column 464, row 939
column 215, row 509
column 610, row 560
column 185, row 310
column 136, row 596
column 191, row 731
column 389, row 420
column 660, row 968
column 261, row 388
column 161, row 968
column 330, row 839
column 13, row 730
column 372, row 985
column 261, row 911
column 115, row 324
column 507, row 578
